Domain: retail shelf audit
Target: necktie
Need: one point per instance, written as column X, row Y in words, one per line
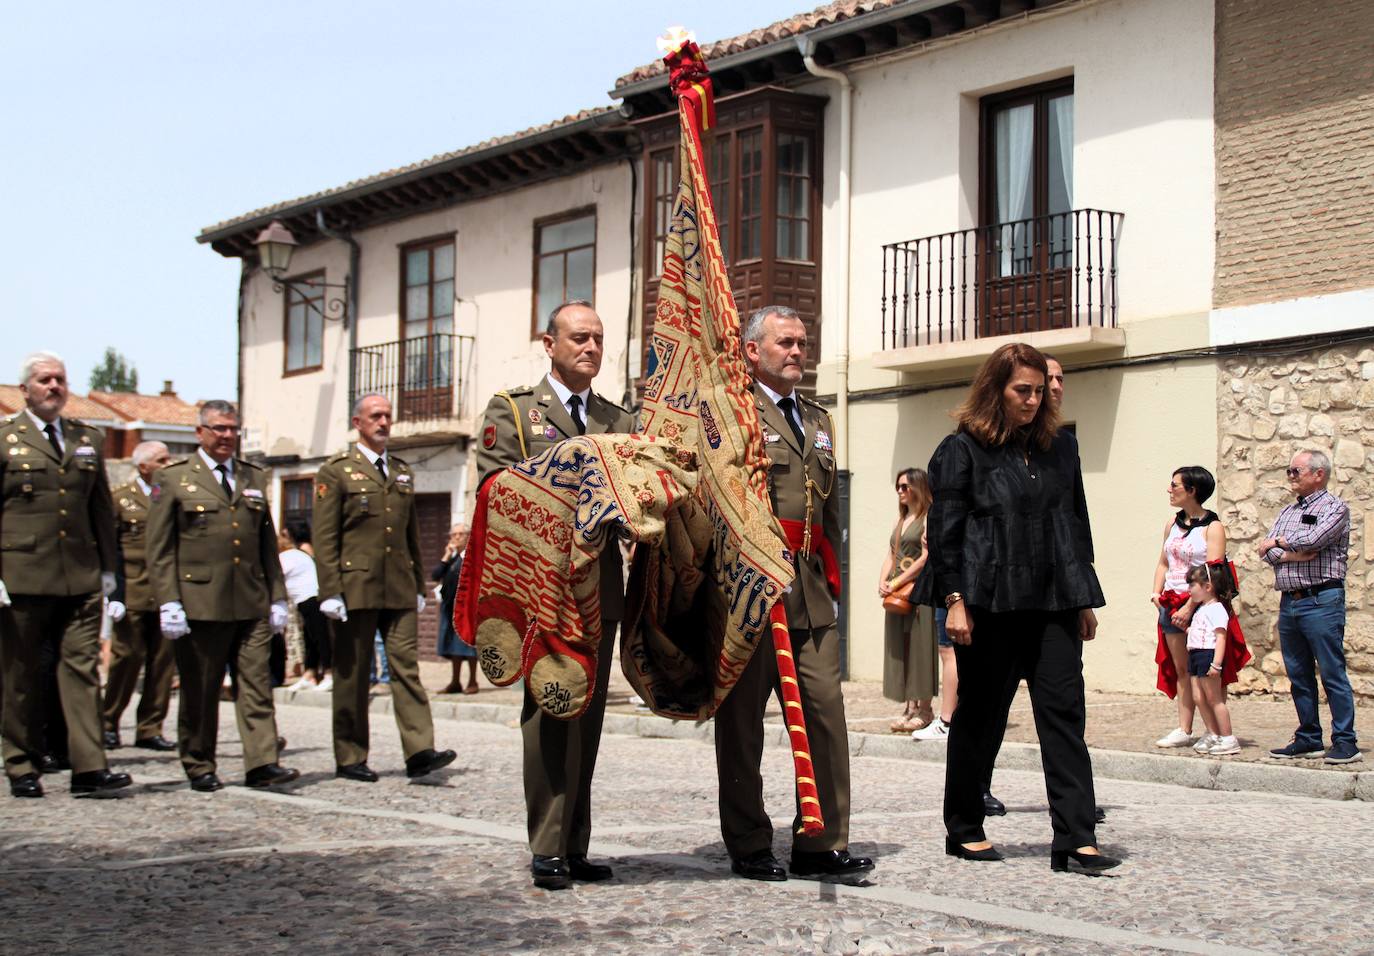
column 789, row 412
column 52, row 437
column 381, row 468
column 576, row 409
column 224, row 481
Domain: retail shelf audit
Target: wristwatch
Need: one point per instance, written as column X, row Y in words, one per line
column 952, row 598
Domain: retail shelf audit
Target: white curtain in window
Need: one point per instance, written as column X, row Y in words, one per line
column 1014, row 131
column 1061, row 120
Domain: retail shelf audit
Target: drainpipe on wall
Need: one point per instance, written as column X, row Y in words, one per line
column 355, row 255
column 244, row 271
column 807, row 47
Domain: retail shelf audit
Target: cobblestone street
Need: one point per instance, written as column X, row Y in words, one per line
column 441, row 865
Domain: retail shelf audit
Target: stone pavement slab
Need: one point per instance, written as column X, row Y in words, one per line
column 440, row 865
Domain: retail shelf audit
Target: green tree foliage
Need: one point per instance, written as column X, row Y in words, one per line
column 114, row 374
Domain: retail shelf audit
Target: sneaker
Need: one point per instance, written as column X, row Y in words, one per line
column 1343, row 753
column 1294, row 750
column 1178, row 737
column 305, row 683
column 1205, row 742
column 326, row 685
column 1224, row 746
column 937, row 729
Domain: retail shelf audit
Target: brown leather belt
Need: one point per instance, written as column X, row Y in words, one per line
column 1314, row 590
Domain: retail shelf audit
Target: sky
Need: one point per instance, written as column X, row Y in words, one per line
column 130, row 127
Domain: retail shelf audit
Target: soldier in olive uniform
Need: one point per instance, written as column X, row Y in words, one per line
column 799, row 440
column 367, row 552
column 137, row 637
column 57, row 555
column 560, row 755
column 212, row 554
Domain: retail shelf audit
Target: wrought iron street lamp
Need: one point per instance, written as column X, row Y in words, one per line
column 275, row 246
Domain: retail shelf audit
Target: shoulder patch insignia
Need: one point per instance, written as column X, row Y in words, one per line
column 489, row 437
column 321, row 490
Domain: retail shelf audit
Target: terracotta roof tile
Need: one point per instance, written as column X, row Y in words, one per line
column 154, row 409
column 413, row 167
column 104, row 407
column 781, row 30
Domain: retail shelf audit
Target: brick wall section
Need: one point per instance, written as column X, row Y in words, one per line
column 1294, row 105
column 1269, row 408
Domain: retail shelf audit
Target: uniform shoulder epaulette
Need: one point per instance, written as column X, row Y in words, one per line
column 518, row 390
column 397, row 460
column 248, row 464
column 8, row 420
column 813, row 403
column 173, row 464
column 340, row 456
column 611, row 403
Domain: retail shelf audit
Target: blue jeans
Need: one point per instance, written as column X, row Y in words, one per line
column 1312, row 631
column 381, row 671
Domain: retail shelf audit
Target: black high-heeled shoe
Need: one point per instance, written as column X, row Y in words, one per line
column 1090, row 863
column 986, row 855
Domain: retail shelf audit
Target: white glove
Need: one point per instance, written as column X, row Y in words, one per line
column 4, row 595
column 333, row 608
column 277, row 616
column 107, row 583
column 116, row 610
column 419, row 603
column 439, row 592
column 173, row 621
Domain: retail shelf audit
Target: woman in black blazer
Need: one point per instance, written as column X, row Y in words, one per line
column 1012, row 554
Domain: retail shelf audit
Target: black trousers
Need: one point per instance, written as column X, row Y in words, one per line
column 315, row 628
column 1043, row 648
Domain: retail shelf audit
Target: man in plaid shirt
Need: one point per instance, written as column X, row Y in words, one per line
column 1307, row 549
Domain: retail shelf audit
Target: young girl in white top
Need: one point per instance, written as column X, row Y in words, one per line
column 1208, row 586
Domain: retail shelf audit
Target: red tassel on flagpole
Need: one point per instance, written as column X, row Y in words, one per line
column 808, row 798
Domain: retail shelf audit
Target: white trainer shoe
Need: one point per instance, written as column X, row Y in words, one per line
column 1178, row 737
column 1224, row 746
column 1205, row 742
column 304, row 683
column 326, row 685
column 936, row 730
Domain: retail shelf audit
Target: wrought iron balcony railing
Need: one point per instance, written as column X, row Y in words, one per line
column 1050, row 272
column 423, row 377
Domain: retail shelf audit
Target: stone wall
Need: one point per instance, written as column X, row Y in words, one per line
column 1270, row 407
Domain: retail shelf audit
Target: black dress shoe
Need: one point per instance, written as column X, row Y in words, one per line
column 428, row 761
column 158, row 742
column 758, row 866
column 1100, row 815
column 356, row 771
column 828, row 863
column 580, row 869
column 986, row 855
column 98, row 781
column 1089, row 863
column 50, row 763
column 550, row 872
column 111, row 740
column 26, row 786
column 270, row 775
column 281, row 744
column 992, row 806
column 206, row 783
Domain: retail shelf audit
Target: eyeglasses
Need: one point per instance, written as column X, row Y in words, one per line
column 1294, row 472
column 222, row 429
column 903, row 487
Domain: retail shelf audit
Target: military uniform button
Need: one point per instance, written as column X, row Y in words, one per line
column 188, row 577
column 63, row 534
column 236, row 560
column 348, row 564
column 60, row 471
column 234, row 524
column 388, row 530
column 61, row 491
column 236, row 542
column 63, row 512
column 388, row 549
